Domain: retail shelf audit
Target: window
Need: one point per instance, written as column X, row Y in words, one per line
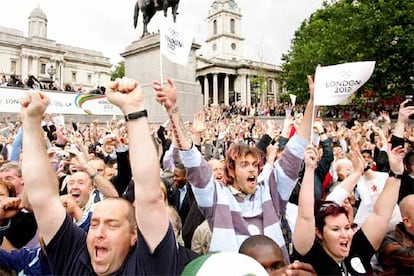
column 43, row 68
column 74, row 77
column 13, row 66
column 232, row 26
column 215, row 27
column 214, row 46
column 270, row 86
column 89, row 78
column 233, row 46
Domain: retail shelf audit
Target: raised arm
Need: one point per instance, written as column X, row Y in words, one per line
column 99, row 181
column 150, row 210
column 304, row 234
column 305, row 126
column 200, row 174
column 41, row 183
column 376, row 226
column 168, row 97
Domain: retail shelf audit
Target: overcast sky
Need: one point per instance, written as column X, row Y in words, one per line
column 107, row 25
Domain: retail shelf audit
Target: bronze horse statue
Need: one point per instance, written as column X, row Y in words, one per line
column 148, row 10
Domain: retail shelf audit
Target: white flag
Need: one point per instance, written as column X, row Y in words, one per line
column 59, row 120
column 292, row 99
column 175, row 41
column 335, row 84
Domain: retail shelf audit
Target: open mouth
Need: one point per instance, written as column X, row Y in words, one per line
column 251, row 178
column 100, row 253
column 75, row 194
column 344, row 245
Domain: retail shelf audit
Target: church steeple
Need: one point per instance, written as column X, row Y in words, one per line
column 37, row 24
column 224, row 39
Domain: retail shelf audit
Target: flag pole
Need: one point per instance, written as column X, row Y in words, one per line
column 161, row 72
column 312, row 123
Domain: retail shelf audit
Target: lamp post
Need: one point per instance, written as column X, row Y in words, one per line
column 51, row 71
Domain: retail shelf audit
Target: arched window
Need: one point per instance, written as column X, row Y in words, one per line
column 232, row 26
column 215, row 27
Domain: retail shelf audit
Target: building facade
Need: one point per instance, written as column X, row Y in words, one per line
column 225, row 75
column 47, row 60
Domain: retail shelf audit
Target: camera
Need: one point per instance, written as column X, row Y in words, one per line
column 63, row 155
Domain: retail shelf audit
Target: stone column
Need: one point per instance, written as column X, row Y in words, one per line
column 35, row 66
column 226, row 90
column 25, row 67
column 206, row 91
column 60, row 74
column 248, row 91
column 215, row 88
column 243, row 89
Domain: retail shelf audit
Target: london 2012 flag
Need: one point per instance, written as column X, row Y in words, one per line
column 335, row 84
column 175, row 41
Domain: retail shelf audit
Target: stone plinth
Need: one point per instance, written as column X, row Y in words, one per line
column 142, row 62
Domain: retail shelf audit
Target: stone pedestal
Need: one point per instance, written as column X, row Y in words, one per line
column 142, row 62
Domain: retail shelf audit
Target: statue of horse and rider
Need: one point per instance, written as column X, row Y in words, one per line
column 150, row 7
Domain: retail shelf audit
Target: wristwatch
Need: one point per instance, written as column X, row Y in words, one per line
column 136, row 115
column 393, row 174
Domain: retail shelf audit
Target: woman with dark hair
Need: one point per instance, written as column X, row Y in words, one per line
column 325, row 238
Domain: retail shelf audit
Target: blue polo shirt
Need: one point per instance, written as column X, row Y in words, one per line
column 68, row 254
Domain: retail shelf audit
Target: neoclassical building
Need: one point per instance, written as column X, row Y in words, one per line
column 44, row 58
column 225, row 75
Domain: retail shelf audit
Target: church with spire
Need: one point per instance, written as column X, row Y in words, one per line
column 225, row 75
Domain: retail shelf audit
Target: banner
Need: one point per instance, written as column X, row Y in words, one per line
column 60, row 103
column 175, row 41
column 292, row 99
column 335, row 84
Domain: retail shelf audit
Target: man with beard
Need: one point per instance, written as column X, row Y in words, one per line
column 242, row 206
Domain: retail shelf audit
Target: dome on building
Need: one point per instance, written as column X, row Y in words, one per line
column 38, row 13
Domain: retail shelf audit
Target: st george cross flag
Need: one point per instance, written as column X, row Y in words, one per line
column 335, row 84
column 175, row 41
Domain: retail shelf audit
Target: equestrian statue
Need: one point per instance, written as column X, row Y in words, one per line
column 150, row 7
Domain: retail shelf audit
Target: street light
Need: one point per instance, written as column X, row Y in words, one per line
column 51, row 71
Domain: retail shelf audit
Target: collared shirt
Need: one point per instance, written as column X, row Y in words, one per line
column 235, row 192
column 183, row 191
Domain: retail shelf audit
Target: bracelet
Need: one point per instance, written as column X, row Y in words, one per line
column 92, row 176
column 136, row 115
column 393, row 174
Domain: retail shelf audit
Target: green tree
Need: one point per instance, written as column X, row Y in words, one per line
column 349, row 31
column 259, row 85
column 119, row 70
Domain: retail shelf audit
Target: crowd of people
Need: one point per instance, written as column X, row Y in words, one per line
column 33, row 83
column 302, row 196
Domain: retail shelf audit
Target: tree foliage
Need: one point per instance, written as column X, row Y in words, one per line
column 119, row 70
column 349, row 31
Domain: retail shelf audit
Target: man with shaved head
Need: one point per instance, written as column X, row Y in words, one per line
column 396, row 252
